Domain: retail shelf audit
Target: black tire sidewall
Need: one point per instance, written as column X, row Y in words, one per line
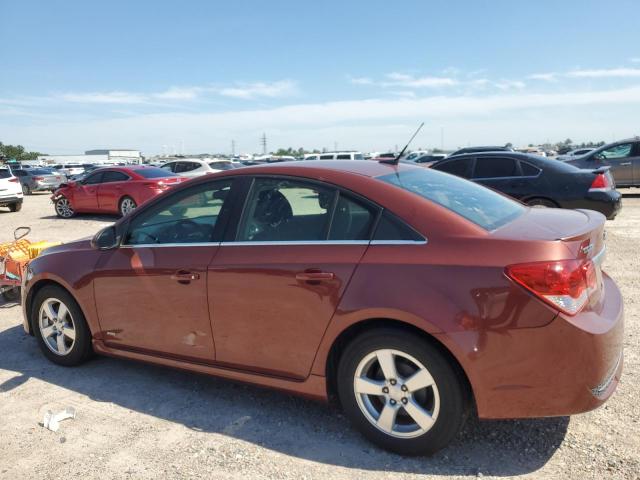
column 453, row 400
column 82, row 347
column 15, row 207
column 122, row 201
column 56, row 208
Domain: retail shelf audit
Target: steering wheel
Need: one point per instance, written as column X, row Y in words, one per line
column 187, row 230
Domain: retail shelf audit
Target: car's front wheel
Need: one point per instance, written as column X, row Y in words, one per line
column 401, row 392
column 15, row 207
column 60, row 327
column 64, row 208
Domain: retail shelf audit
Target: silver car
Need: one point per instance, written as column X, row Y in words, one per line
column 39, row 179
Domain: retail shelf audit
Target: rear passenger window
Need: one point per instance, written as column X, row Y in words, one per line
column 529, row 170
column 352, row 220
column 326, row 157
column 344, row 157
column 460, row 168
column 495, row 167
column 284, row 211
column 112, row 176
column 391, row 227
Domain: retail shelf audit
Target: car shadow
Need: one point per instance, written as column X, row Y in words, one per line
column 280, row 422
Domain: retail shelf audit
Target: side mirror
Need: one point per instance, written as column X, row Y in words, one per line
column 105, row 239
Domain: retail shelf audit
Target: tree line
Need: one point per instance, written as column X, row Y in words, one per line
column 16, row 152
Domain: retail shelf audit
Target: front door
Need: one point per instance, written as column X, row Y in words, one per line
column 85, row 193
column 151, row 292
column 620, row 158
column 275, row 286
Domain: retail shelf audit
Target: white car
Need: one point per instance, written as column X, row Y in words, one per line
column 195, row 167
column 411, row 157
column 335, row 156
column 10, row 190
column 578, row 152
column 70, row 169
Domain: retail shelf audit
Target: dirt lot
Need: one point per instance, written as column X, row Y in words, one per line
column 140, row 421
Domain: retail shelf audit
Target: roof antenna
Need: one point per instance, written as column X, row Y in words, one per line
column 394, row 161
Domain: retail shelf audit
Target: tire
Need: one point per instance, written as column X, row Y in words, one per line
column 15, row 207
column 47, row 304
column 442, row 407
column 26, row 190
column 127, row 205
column 542, row 203
column 63, row 207
column 12, row 295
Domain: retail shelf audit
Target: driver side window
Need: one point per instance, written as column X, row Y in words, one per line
column 189, row 216
column 618, row 151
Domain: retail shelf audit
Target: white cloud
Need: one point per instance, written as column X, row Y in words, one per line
column 179, row 93
column 361, row 80
column 403, row 80
column 515, row 116
column 604, row 73
column 104, row 97
column 546, row 77
column 281, row 88
column 510, row 84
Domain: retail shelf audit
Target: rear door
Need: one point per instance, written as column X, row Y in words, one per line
column 501, row 173
column 111, row 190
column 276, row 282
column 636, row 164
column 85, row 193
column 621, row 159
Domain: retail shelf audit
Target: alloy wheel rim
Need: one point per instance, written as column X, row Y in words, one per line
column 127, row 206
column 63, row 207
column 57, row 327
column 396, row 393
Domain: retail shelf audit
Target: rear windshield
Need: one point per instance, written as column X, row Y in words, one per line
column 476, row 203
column 40, row 171
column 153, row 172
column 5, row 173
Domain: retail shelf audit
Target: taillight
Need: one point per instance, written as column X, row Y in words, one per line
column 601, row 183
column 563, row 284
column 156, row 185
column 14, row 180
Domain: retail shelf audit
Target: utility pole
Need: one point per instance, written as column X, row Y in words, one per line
column 263, row 142
column 233, row 148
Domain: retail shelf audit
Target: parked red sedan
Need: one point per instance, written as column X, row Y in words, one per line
column 112, row 190
column 409, row 294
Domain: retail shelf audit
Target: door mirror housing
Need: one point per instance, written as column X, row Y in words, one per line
column 105, row 239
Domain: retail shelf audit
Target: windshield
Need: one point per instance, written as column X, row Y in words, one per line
column 153, row 172
column 5, row 173
column 476, row 203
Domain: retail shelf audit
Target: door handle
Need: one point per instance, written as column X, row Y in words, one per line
column 185, row 276
column 314, row 276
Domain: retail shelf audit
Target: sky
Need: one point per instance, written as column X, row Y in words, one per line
column 193, row 76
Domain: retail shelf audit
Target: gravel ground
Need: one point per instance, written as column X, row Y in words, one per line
column 140, row 421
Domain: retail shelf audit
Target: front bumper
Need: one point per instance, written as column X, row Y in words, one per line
column 572, row 365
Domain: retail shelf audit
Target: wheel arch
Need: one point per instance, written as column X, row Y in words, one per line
column 539, row 197
column 35, row 288
column 354, row 330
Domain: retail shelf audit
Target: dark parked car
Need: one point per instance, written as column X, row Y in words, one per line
column 623, row 157
column 39, row 179
column 414, row 297
column 538, row 181
column 488, row 148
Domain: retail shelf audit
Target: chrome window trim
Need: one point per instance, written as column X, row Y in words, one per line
column 296, row 242
column 163, row 245
column 399, row 242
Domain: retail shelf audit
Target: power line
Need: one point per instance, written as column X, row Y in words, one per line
column 263, row 142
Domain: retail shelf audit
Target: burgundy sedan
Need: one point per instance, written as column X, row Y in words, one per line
column 411, row 296
column 116, row 190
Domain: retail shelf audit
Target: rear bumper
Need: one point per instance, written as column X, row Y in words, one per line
column 608, row 203
column 572, row 365
column 10, row 199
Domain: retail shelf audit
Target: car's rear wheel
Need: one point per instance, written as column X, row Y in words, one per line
column 60, row 327
column 64, row 208
column 15, row 207
column 401, row 392
column 541, row 203
column 26, row 189
column 12, row 294
column 127, row 205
